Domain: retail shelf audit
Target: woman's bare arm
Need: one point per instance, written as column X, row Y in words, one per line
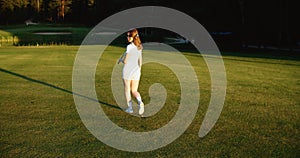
column 140, row 61
column 125, row 58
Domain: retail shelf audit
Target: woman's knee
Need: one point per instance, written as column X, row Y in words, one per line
column 135, row 93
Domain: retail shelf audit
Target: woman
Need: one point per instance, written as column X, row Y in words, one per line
column 132, row 70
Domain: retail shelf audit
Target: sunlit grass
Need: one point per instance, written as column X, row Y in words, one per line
column 5, row 33
column 38, row 116
column 22, row 35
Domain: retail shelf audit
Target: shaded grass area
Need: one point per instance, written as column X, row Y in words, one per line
column 38, row 116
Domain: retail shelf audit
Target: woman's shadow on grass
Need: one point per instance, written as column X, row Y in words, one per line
column 58, row 88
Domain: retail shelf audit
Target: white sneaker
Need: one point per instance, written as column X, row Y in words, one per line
column 141, row 106
column 129, row 110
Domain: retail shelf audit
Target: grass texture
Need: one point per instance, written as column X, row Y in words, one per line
column 38, row 117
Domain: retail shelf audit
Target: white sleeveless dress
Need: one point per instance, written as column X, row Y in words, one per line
column 132, row 70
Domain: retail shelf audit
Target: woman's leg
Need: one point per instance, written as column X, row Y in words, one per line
column 127, row 89
column 137, row 95
column 134, row 89
column 127, row 86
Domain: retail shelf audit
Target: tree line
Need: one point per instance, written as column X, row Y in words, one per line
column 56, row 11
column 87, row 12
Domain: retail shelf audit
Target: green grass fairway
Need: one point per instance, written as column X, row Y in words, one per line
column 42, row 34
column 38, row 115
